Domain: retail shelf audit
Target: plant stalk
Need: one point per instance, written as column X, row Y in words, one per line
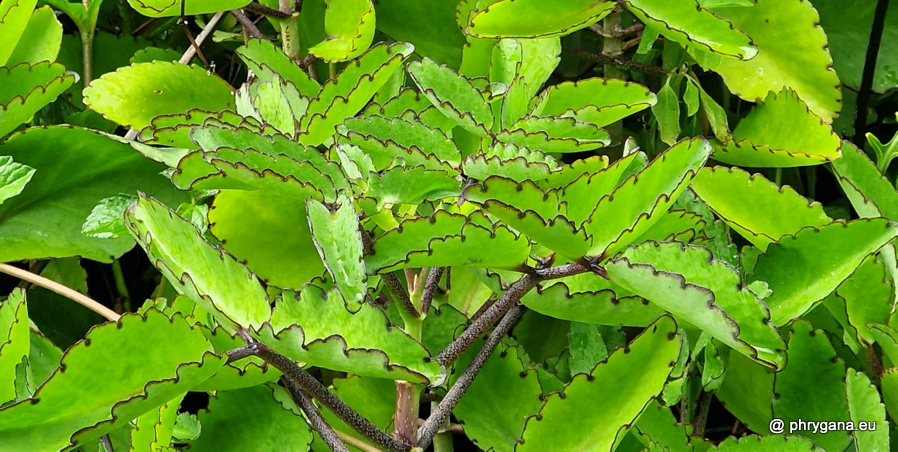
column 60, row 289
column 290, row 30
column 863, row 96
column 120, row 286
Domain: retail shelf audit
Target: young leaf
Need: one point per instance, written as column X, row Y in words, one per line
column 626, row 382
column 413, row 142
column 781, row 132
column 349, row 25
column 804, row 268
column 138, row 375
column 688, row 24
column 411, row 105
column 594, row 100
column 210, row 277
column 266, row 61
column 399, row 185
column 25, row 89
column 318, row 329
column 454, row 95
column 667, row 112
column 172, row 8
column 778, row 28
column 754, row 207
column 336, row 234
column 347, row 94
column 154, row 429
column 106, row 219
column 708, row 295
column 250, row 418
column 499, row 401
column 635, row 206
column 536, row 18
column 175, row 129
column 518, row 169
column 132, row 96
column 13, row 177
column 447, row 239
column 45, row 219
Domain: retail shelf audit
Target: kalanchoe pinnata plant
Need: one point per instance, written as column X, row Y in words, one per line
column 556, row 244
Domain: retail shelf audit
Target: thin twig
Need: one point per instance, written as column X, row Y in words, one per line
column 258, row 8
column 56, row 287
column 433, row 423
column 616, row 61
column 863, row 96
column 248, row 25
column 478, row 327
column 333, row 403
column 207, row 30
column 318, row 422
column 355, row 442
column 431, row 284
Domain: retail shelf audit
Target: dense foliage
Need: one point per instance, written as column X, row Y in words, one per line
column 494, row 224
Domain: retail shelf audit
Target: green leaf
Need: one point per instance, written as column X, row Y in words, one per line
column 40, row 40
column 266, row 60
column 318, row 329
column 555, row 134
column 275, row 103
column 688, row 24
column 518, row 169
column 716, row 116
column 499, row 401
column 153, row 430
column 374, row 398
column 211, row 278
column 13, row 177
column 243, row 373
column 708, row 292
column 399, row 185
column 173, row 8
column 349, row 25
column 411, row 106
column 14, row 342
column 778, row 28
column 781, row 132
column 869, row 296
column 74, row 169
column 447, row 239
column 625, row 383
column 667, row 113
column 813, row 386
column 691, row 98
column 755, row 207
column 434, row 32
column 138, row 376
column 349, row 92
column 594, row 100
column 187, row 427
column 266, row 230
column 804, row 268
column 589, row 298
column 635, row 206
column 250, row 419
column 752, row 443
column 865, row 406
column 132, row 96
column 871, row 194
column 106, row 220
column 536, row 18
column 411, row 142
column 337, row 236
column 747, row 392
column 14, row 17
column 453, row 95
column 175, row 129
column 25, row 89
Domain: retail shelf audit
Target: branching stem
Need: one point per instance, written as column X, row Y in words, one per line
column 318, row 422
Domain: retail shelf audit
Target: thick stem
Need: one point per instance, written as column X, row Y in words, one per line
column 863, row 96
column 333, row 403
column 439, row 416
column 318, row 422
column 394, row 285
column 290, row 31
column 442, row 442
column 87, row 55
column 247, row 24
column 406, row 416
